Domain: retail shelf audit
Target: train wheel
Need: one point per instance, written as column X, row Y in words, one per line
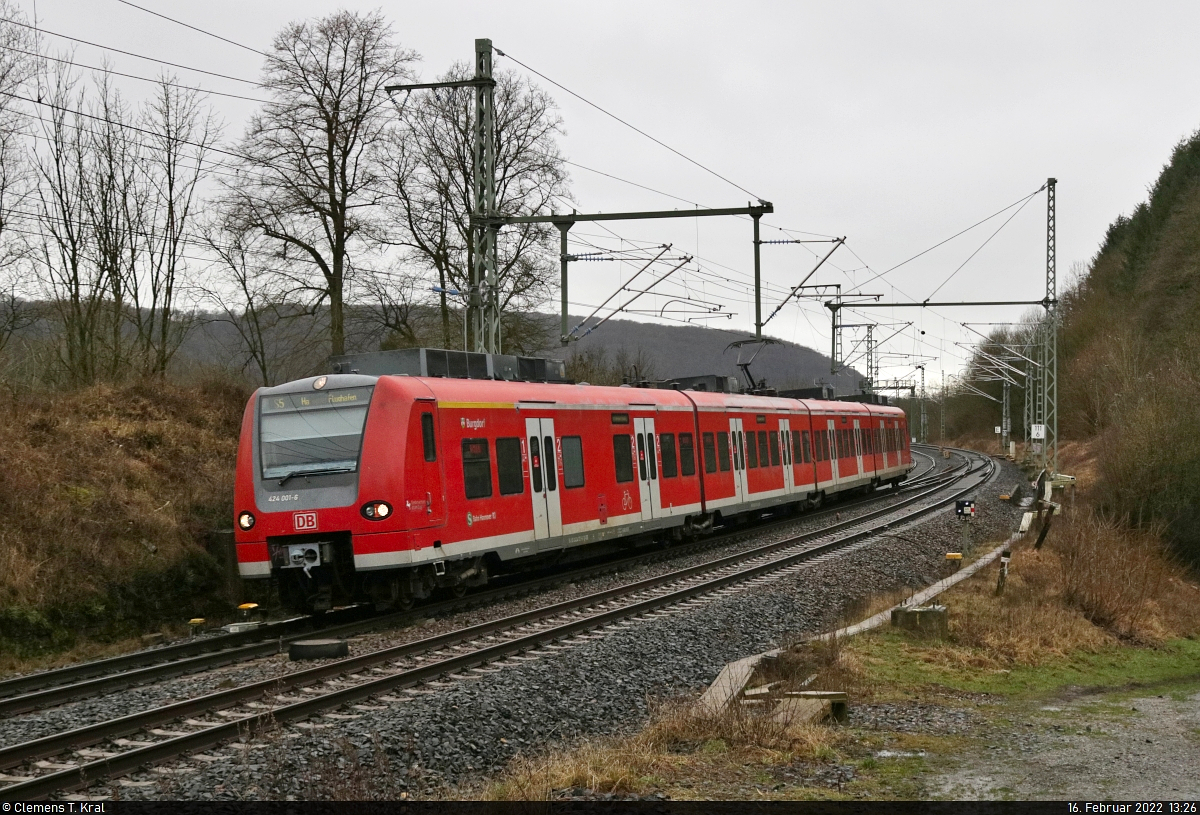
column 458, row 591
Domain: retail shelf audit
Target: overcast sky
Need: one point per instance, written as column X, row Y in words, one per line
column 895, row 125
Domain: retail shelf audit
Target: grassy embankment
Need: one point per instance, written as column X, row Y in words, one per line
column 1098, row 607
column 108, row 497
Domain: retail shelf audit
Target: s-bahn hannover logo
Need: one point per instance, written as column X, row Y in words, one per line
column 304, row 521
column 471, row 519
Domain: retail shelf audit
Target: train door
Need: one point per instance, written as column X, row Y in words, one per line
column 858, row 447
column 425, row 497
column 741, row 487
column 835, row 451
column 647, row 467
column 543, row 478
column 785, row 441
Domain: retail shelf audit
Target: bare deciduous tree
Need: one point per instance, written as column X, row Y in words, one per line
column 430, row 163
column 309, row 173
column 183, row 131
column 72, row 284
column 16, row 67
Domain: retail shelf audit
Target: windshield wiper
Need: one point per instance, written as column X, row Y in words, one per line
column 325, row 471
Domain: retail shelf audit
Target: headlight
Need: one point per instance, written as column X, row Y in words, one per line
column 376, row 510
column 246, row 521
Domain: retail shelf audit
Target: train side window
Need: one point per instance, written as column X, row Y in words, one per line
column 653, row 460
column 751, row 450
column 710, row 452
column 572, row 461
column 785, row 437
column 508, row 466
column 804, row 447
column 622, row 458
column 670, row 465
column 551, row 469
column 477, row 468
column 687, row 455
column 723, row 452
column 427, row 437
column 535, row 463
column 774, row 435
column 641, row 443
column 763, row 454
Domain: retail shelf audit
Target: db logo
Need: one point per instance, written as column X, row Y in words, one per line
column 304, row 521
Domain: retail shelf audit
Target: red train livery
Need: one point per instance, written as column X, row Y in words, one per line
column 385, row 488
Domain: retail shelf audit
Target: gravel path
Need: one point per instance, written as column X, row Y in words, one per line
column 454, row 733
column 1150, row 751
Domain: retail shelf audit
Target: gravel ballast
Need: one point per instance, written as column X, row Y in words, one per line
column 455, row 733
column 37, row 724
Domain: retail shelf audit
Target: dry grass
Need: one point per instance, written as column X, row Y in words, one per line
column 821, row 665
column 107, row 494
column 673, row 746
column 1093, row 585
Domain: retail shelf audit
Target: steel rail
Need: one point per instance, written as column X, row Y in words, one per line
column 83, row 775
column 271, row 642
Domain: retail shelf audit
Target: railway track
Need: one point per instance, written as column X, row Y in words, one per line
column 41, row 690
column 101, row 750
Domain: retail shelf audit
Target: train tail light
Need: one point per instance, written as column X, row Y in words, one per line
column 246, row 521
column 376, row 510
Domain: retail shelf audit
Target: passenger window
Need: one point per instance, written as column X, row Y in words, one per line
column 622, row 458
column 535, row 463
column 710, row 452
column 774, row 448
column 723, row 452
column 784, row 436
column 427, row 437
column 551, row 469
column 508, row 466
column 763, row 455
column 572, row 461
column 751, row 450
column 666, row 444
column 804, row 447
column 641, row 443
column 653, row 461
column 687, row 455
column 477, row 468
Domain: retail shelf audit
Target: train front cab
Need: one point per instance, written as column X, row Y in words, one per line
column 326, row 488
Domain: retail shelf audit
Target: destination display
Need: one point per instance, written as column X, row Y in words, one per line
column 342, row 397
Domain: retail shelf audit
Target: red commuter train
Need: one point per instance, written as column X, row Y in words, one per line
column 385, row 488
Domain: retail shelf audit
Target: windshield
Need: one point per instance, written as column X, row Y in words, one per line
column 321, row 430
